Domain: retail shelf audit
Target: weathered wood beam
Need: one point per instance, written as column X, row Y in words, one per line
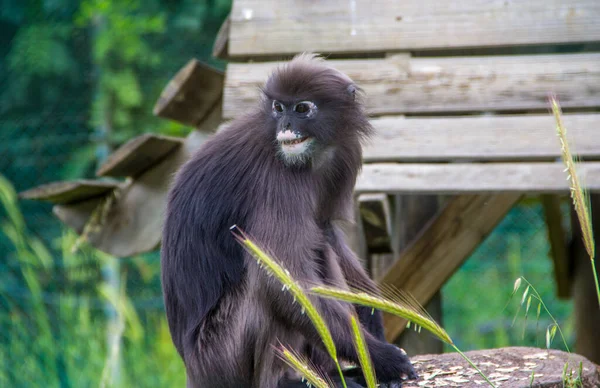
column 374, row 210
column 77, row 215
column 480, row 138
column 133, row 223
column 69, row 192
column 456, row 178
column 191, row 95
column 395, row 85
column 138, row 154
column 443, row 246
column 262, row 27
column 558, row 244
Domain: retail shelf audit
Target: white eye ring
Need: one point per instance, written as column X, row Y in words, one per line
column 309, row 107
column 277, row 106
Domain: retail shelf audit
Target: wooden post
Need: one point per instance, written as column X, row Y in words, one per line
column 585, row 301
column 558, row 244
column 411, row 214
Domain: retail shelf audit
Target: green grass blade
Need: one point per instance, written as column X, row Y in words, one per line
column 578, row 193
column 363, row 355
column 302, row 366
column 400, row 309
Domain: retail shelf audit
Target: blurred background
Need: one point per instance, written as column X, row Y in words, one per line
column 79, row 78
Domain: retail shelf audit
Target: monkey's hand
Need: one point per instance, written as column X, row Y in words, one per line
column 393, row 365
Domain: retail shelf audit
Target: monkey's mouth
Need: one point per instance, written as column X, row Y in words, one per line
column 293, row 143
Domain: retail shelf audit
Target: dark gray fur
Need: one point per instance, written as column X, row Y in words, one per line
column 225, row 314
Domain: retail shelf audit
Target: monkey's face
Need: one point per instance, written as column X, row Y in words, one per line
column 312, row 110
column 295, row 140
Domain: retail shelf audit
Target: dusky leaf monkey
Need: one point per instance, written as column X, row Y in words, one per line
column 284, row 173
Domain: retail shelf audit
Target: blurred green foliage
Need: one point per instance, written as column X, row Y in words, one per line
column 53, row 327
column 96, row 63
column 78, row 78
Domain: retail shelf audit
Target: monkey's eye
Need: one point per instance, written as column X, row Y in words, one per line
column 277, row 107
column 304, row 107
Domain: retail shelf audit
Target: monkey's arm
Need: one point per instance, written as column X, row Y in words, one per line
column 356, row 277
column 200, row 260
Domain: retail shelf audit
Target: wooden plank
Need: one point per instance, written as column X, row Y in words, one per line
column 69, row 192
column 558, row 244
column 443, row 246
column 456, row 178
column 397, row 84
column 374, row 210
column 263, row 27
column 191, row 95
column 482, row 138
column 138, row 154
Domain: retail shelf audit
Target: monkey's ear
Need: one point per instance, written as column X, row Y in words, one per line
column 351, row 90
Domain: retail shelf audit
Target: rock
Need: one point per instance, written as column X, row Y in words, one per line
column 506, row 367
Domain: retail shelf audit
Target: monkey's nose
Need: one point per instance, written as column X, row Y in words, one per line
column 288, row 126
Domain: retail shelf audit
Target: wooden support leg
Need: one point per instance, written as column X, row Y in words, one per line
column 375, row 218
column 558, row 244
column 412, row 213
column 587, row 312
column 442, row 247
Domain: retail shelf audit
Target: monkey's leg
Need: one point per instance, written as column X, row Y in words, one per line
column 389, row 362
column 356, row 277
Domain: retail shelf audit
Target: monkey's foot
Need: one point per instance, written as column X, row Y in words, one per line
column 393, row 365
column 355, row 375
